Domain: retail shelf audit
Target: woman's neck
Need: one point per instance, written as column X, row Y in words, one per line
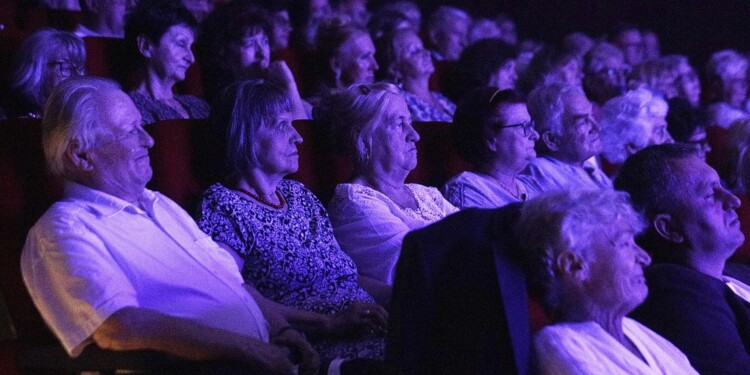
column 259, row 183
column 156, row 87
column 505, row 175
column 419, row 86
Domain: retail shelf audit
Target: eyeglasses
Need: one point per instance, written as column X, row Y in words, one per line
column 66, row 69
column 528, row 127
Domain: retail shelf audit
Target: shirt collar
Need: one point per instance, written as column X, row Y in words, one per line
column 104, row 204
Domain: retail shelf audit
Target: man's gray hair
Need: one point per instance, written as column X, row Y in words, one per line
column 546, row 106
column 443, row 15
column 73, row 115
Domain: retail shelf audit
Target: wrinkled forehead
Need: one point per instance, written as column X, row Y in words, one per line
column 576, row 103
column 116, row 110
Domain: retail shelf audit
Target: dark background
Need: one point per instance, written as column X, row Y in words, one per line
column 695, row 28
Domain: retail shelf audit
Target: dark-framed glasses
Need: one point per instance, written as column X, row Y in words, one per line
column 528, row 127
column 66, row 69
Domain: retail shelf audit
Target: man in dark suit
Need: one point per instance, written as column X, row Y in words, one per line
column 692, row 230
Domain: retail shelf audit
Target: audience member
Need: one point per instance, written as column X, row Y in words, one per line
column 281, row 25
column 692, row 229
column 687, row 124
column 162, row 32
column 126, row 268
column 345, row 56
column 552, row 65
column 726, row 77
column 605, row 72
column 493, row 131
column 386, row 22
column 629, row 40
column 737, row 146
column 235, row 47
column 306, row 16
column 488, row 62
column 409, row 9
column 569, row 136
column 279, row 232
column 483, row 28
column 356, row 10
column 42, row 61
column 372, row 214
column 582, row 260
column 651, row 45
column 507, row 26
column 688, row 83
column 578, row 42
column 404, row 61
column 103, row 18
column 447, row 33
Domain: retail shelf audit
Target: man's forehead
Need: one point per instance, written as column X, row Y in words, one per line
column 117, row 109
column 576, row 104
column 694, row 173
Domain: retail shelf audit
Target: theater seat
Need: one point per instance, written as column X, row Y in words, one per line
column 437, row 159
column 718, row 157
column 459, row 303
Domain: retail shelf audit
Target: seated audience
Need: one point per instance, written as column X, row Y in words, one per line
column 657, row 76
column 162, row 32
column 281, row 25
column 687, row 124
column 404, row 61
column 386, row 22
column 726, row 75
column 483, row 28
column 345, row 56
column 508, row 31
column 448, row 32
column 605, row 73
column 42, row 61
column 692, row 229
column 235, row 46
column 279, row 232
column 493, row 131
column 583, row 263
column 103, row 18
column 688, row 83
column 737, row 146
column 578, row 43
column 488, row 62
column 569, row 136
column 126, row 268
column 372, row 214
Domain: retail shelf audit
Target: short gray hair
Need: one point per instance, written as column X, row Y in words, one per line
column 72, row 114
column 28, row 71
column 443, row 15
column 623, row 123
column 725, row 64
column 594, row 59
column 565, row 221
column 352, row 115
column 546, row 106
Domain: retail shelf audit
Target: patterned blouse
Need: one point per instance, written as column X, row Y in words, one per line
column 153, row 110
column 424, row 111
column 291, row 257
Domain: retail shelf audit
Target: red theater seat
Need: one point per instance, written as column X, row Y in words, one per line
column 437, row 159
column 718, row 157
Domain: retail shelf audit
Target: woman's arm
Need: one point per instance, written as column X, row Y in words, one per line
column 377, row 289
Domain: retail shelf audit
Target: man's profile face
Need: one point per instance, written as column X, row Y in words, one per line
column 120, row 158
column 580, row 138
column 705, row 210
column 453, row 38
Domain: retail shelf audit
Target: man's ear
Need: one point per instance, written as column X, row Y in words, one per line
column 550, row 140
column 668, row 228
column 571, row 265
column 78, row 158
column 144, row 45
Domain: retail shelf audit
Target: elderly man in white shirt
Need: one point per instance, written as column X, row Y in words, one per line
column 125, row 267
column 569, row 137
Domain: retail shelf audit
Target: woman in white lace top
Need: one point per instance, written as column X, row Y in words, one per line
column 372, row 214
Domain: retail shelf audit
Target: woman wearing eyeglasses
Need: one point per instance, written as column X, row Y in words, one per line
column 163, row 32
column 493, row 131
column 43, row 60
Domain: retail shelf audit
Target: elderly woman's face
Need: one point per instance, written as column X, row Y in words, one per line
column 172, row 56
column 394, row 141
column 513, row 142
column 356, row 60
column 251, row 54
column 412, row 59
column 688, row 84
column 276, row 146
column 615, row 268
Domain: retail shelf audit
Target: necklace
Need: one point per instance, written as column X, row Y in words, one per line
column 260, row 199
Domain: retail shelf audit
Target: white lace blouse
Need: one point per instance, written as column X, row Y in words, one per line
column 370, row 227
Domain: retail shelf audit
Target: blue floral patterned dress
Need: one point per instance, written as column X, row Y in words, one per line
column 291, row 257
